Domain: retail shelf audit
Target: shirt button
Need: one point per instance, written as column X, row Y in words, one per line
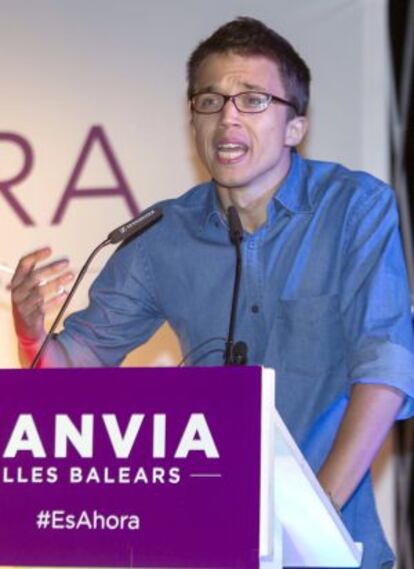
column 255, row 308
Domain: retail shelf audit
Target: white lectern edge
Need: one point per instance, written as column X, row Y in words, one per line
column 282, row 464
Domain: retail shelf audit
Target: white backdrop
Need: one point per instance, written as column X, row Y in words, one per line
column 71, row 65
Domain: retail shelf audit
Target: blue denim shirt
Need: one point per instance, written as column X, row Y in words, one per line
column 324, row 300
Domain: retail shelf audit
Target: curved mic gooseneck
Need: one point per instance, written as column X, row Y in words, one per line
column 133, row 227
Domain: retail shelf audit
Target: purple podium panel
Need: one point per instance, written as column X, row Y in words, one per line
column 130, row 467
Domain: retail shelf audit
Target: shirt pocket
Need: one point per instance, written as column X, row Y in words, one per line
column 310, row 335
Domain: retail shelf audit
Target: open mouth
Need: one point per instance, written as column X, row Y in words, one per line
column 230, row 152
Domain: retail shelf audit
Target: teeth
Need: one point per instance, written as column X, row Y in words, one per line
column 229, row 145
column 229, row 151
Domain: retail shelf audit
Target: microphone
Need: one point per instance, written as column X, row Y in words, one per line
column 135, row 226
column 132, row 228
column 235, row 226
column 235, row 354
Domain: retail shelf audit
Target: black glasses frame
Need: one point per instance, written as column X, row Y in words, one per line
column 233, row 99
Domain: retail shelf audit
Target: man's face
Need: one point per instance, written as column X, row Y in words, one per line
column 240, row 150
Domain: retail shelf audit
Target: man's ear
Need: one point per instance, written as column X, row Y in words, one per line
column 295, row 131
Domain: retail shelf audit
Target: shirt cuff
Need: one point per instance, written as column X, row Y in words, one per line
column 389, row 364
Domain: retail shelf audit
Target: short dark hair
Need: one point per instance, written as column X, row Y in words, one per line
column 248, row 36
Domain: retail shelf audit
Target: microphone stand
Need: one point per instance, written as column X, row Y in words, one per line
column 132, row 228
column 235, row 353
column 65, row 304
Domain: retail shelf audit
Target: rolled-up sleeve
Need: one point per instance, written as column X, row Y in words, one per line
column 376, row 298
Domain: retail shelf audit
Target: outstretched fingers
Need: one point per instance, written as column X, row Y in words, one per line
column 37, row 289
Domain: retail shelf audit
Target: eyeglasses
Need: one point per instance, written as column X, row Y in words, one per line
column 247, row 102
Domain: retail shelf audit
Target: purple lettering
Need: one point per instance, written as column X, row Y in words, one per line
column 95, row 135
column 6, row 185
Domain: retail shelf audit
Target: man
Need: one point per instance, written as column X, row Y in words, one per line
column 324, row 298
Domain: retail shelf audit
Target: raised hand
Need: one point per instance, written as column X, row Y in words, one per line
column 35, row 290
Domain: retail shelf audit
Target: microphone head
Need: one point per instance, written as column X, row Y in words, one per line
column 235, row 226
column 136, row 225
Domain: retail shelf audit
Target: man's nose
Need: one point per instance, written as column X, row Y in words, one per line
column 229, row 112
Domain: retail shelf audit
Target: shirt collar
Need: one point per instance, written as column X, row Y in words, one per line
column 213, row 209
column 292, row 195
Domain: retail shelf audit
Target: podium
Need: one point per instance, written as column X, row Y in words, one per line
column 158, row 468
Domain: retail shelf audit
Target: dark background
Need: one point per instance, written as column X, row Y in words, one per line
column 401, row 24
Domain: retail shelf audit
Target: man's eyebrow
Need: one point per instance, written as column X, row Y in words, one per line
column 208, row 89
column 247, row 86
column 253, row 87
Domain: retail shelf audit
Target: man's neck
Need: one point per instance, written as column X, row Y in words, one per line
column 252, row 208
column 251, row 201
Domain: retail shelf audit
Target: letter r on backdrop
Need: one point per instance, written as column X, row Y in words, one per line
column 6, row 185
